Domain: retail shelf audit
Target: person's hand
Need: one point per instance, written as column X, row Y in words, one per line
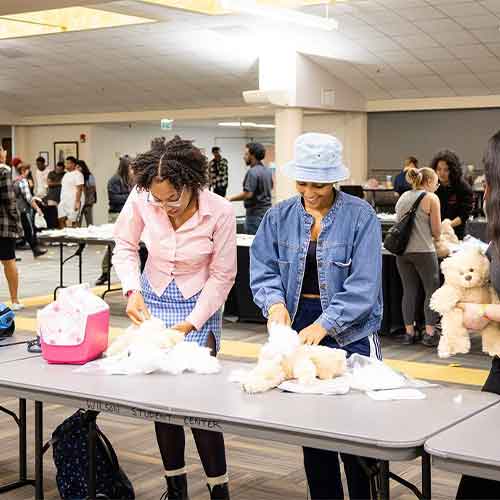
column 136, row 308
column 278, row 313
column 185, row 327
column 474, row 316
column 313, row 334
column 77, row 207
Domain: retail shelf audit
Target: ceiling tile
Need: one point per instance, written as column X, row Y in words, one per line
column 433, row 54
column 487, row 35
column 492, row 5
column 397, row 29
column 454, row 38
column 463, row 9
column 483, row 65
column 398, row 56
column 475, row 22
column 491, row 79
column 471, row 51
column 418, row 41
column 409, row 70
column 449, row 67
column 380, row 43
column 444, row 92
column 434, row 25
column 463, row 80
column 428, row 82
column 420, row 13
column 472, row 91
column 406, row 94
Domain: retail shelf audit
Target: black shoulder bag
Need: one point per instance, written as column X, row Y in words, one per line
column 398, row 236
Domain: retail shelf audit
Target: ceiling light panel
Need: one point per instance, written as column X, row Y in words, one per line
column 62, row 21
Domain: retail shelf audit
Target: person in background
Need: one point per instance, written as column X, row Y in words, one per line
column 454, row 193
column 218, row 173
column 10, row 230
column 257, row 187
column 313, row 266
column 72, row 194
column 26, row 205
column 477, row 316
column 401, row 185
column 119, row 187
column 16, row 161
column 53, row 197
column 190, row 234
column 419, row 263
column 90, row 192
column 41, row 178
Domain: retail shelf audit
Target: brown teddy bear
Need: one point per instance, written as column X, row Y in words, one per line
column 466, row 277
column 447, row 236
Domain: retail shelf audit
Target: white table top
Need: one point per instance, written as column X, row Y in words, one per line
column 471, row 446
column 9, row 353
column 353, row 423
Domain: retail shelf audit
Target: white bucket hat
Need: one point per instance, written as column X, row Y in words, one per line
column 317, row 158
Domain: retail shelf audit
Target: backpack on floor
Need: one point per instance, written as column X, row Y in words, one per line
column 7, row 324
column 70, row 451
column 398, row 236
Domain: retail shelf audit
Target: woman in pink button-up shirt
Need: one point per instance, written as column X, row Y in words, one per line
column 190, row 234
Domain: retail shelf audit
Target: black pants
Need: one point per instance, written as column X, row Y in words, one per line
column 322, row 466
column 29, row 229
column 475, row 488
column 210, row 445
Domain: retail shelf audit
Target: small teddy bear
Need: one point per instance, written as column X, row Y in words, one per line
column 466, row 277
column 447, row 236
column 284, row 358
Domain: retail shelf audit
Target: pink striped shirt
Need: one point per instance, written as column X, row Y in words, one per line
column 200, row 255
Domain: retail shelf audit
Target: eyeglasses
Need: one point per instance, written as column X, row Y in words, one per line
column 166, row 204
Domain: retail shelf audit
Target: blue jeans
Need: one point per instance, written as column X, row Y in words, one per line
column 322, row 466
column 252, row 223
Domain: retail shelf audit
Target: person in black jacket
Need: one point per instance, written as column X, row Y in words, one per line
column 119, row 187
column 454, row 193
column 400, row 183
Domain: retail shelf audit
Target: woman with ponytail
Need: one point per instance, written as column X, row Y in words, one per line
column 419, row 263
column 190, row 234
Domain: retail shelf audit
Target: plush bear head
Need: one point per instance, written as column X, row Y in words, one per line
column 467, row 269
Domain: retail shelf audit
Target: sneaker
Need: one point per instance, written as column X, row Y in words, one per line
column 430, row 340
column 16, row 306
column 102, row 280
column 38, row 252
column 406, row 339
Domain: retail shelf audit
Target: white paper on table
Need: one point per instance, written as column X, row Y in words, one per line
column 339, row 385
column 396, row 394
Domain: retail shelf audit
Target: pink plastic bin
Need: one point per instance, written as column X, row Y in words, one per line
column 94, row 343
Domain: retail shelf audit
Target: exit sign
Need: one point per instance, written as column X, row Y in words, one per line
column 167, row 124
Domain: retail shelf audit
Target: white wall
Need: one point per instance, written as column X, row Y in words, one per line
column 107, row 142
column 351, row 130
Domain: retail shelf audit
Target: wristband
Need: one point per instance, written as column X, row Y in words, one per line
column 129, row 293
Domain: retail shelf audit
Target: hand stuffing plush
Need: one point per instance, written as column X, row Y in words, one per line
column 447, row 236
column 466, row 277
column 152, row 333
column 284, row 358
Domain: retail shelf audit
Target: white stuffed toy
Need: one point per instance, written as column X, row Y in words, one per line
column 284, row 358
column 447, row 236
column 466, row 277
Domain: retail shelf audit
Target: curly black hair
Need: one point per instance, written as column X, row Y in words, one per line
column 177, row 161
column 454, row 165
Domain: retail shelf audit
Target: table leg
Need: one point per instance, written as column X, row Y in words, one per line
column 384, row 480
column 80, row 250
column 38, row 450
column 426, row 476
column 92, row 472
column 23, row 460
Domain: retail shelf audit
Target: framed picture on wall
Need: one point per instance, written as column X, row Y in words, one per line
column 45, row 156
column 64, row 149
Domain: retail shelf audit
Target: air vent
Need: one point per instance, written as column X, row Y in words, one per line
column 327, row 97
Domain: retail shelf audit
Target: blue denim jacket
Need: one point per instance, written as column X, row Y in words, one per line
column 349, row 264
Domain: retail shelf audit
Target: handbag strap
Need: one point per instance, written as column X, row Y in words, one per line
column 414, row 207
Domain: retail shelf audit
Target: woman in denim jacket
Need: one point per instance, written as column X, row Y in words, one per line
column 316, row 265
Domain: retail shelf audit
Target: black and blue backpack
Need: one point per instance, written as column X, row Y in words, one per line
column 7, row 323
column 70, row 451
